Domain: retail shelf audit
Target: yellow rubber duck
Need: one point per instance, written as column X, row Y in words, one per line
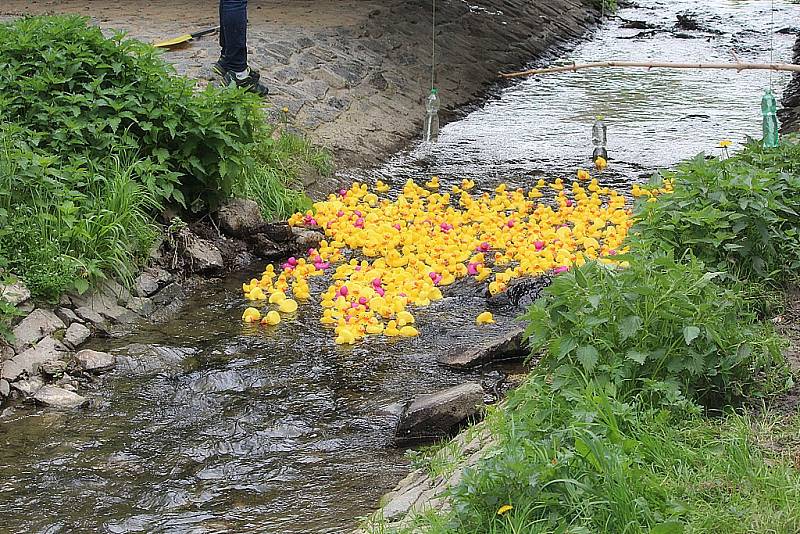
column 256, row 294
column 271, row 318
column 433, row 183
column 381, row 187
column 277, row 297
column 287, row 306
column 404, row 318
column 467, row 184
column 484, row 318
column 391, row 329
column 408, row 331
column 251, row 315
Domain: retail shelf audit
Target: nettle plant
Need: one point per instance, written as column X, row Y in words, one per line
column 660, row 328
column 738, row 215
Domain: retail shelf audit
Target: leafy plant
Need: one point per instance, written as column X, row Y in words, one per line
column 660, row 328
column 738, row 215
column 82, row 96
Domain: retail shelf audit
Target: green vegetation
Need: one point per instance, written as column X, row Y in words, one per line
column 99, row 134
column 738, row 215
column 633, row 421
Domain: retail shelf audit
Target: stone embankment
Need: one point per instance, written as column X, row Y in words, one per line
column 43, row 362
column 353, row 74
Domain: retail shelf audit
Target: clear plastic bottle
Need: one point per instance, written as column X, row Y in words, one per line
column 770, row 120
column 431, row 132
column 599, row 139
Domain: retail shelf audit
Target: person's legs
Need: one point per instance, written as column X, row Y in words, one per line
column 233, row 34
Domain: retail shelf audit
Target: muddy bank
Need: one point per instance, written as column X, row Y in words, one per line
column 353, row 74
column 789, row 115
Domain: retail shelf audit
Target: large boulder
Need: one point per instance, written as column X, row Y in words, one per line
column 38, row 324
column 138, row 359
column 94, row 361
column 14, row 293
column 503, row 346
column 240, row 217
column 57, row 397
column 434, row 416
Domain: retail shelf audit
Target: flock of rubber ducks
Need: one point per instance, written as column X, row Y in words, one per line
column 387, row 258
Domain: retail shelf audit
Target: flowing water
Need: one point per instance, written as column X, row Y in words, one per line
column 242, row 430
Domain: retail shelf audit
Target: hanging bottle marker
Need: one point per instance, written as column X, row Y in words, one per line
column 770, row 119
column 599, row 139
column 431, row 132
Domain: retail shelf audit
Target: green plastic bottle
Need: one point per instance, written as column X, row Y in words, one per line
column 769, row 107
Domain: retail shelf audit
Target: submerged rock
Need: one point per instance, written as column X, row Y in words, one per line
column 503, row 346
column 5, row 388
column 57, row 397
column 141, row 359
column 437, row 415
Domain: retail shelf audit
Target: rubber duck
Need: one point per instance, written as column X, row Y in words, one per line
column 271, row 318
column 484, row 318
column 391, row 329
column 256, row 294
column 251, row 315
column 288, row 306
column 277, row 297
column 404, row 318
column 408, row 331
column 381, row 187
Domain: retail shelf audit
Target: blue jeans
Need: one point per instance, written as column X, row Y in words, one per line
column 233, row 34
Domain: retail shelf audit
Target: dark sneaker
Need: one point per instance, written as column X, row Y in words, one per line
column 220, row 71
column 251, row 83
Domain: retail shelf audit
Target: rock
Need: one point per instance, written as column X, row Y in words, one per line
column 202, row 256
column 506, row 345
column 5, row 388
column 6, row 352
column 97, row 320
column 106, row 304
column 11, row 370
column 31, row 360
column 168, row 295
column 267, row 249
column 141, row 306
column 76, row 335
column 521, row 293
column 14, row 293
column 57, row 397
column 280, row 232
column 38, row 324
column 116, row 291
column 67, row 316
column 139, row 359
column 435, row 416
column 145, row 284
column 29, row 387
column 240, row 217
column 305, row 238
column 94, row 361
column 54, row 368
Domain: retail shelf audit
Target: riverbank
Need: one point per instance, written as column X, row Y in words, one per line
column 354, row 74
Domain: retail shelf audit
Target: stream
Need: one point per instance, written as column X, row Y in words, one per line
column 246, row 431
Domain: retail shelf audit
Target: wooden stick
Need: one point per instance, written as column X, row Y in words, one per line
column 656, row 65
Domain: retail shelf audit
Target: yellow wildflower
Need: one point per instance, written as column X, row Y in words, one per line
column 505, row 508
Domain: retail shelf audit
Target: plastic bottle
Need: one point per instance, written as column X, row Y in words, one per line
column 770, row 120
column 599, row 139
column 431, row 131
